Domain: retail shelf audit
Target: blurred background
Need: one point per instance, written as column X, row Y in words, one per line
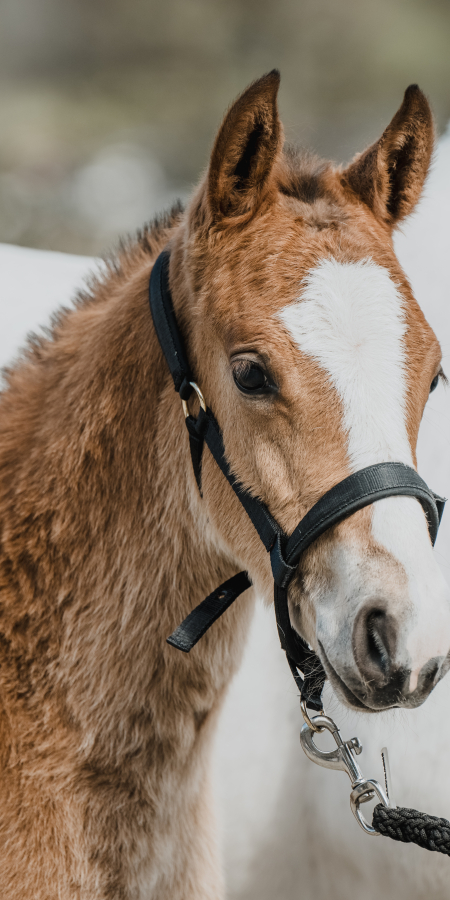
column 108, row 108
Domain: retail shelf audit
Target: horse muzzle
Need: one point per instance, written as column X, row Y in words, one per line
column 379, row 663
column 389, row 688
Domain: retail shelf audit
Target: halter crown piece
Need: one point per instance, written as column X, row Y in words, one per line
column 353, row 493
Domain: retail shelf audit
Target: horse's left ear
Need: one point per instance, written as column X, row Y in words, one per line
column 389, row 176
column 245, row 150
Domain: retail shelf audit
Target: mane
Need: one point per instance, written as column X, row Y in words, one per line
column 303, row 175
column 306, row 179
column 114, row 268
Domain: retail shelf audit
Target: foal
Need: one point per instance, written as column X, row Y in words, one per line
column 310, row 349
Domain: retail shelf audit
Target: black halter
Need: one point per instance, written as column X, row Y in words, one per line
column 355, row 492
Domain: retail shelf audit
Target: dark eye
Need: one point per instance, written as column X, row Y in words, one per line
column 434, row 383
column 250, row 377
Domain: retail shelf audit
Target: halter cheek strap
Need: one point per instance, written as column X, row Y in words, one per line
column 353, row 493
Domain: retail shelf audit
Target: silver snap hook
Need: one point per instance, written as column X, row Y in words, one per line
column 343, row 758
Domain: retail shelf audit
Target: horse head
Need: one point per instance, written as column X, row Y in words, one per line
column 316, row 360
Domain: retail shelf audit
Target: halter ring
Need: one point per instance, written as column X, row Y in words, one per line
column 310, row 722
column 200, row 396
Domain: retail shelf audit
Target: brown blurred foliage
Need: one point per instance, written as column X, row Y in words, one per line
column 108, row 107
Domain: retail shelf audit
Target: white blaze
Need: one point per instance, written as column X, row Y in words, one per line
column 350, row 317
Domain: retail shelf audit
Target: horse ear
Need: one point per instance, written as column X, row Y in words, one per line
column 389, row 176
column 245, row 150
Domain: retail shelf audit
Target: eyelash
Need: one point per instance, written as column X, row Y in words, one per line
column 441, row 376
column 244, row 367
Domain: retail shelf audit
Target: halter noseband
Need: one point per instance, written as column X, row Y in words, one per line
column 360, row 489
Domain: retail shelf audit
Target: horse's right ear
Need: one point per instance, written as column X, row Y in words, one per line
column 245, row 150
column 389, row 176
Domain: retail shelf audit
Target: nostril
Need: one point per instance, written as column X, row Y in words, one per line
column 377, row 641
column 429, row 676
column 434, row 672
column 374, row 643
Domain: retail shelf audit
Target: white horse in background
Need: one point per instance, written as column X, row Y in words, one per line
column 286, row 822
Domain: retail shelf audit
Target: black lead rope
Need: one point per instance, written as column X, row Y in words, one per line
column 412, row 827
column 353, row 493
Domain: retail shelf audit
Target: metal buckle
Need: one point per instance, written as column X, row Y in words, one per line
column 200, row 396
column 343, row 759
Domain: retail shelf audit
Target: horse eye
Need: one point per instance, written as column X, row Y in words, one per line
column 250, row 378
column 434, row 383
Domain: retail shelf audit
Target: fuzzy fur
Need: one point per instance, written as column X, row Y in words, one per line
column 105, row 544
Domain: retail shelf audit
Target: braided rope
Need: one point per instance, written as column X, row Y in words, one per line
column 411, row 826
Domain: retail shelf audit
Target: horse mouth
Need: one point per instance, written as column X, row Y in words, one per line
column 394, row 697
column 341, row 688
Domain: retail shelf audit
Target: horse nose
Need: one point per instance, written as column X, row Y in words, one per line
column 374, row 646
column 386, row 679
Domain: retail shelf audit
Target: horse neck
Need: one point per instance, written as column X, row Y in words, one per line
column 108, row 495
